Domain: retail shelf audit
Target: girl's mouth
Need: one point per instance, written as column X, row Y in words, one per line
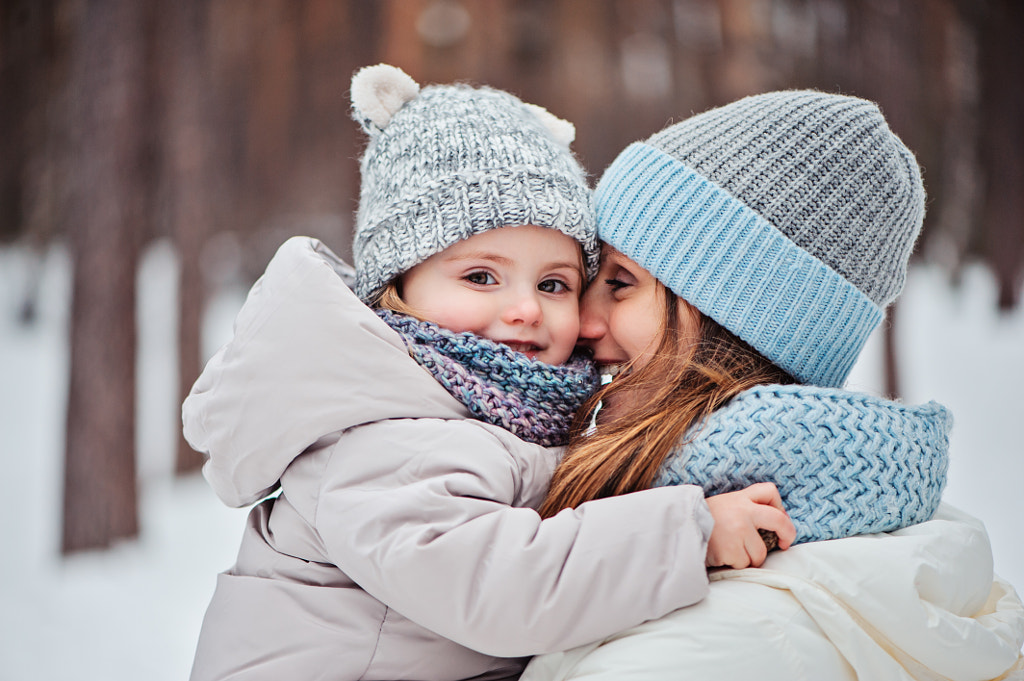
column 529, row 349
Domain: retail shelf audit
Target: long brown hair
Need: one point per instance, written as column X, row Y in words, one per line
column 682, row 383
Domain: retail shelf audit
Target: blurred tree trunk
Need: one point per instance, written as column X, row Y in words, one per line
column 890, row 372
column 100, row 501
column 362, row 48
column 588, row 82
column 1002, row 144
column 188, row 169
column 31, row 56
column 888, row 69
column 18, row 25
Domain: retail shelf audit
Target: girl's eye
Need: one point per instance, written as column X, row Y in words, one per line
column 553, row 286
column 615, row 284
column 480, row 278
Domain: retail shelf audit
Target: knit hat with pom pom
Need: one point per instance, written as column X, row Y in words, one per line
column 446, row 162
column 787, row 217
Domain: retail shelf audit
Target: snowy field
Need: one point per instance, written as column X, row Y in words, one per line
column 134, row 612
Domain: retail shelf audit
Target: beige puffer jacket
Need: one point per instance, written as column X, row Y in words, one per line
column 403, row 544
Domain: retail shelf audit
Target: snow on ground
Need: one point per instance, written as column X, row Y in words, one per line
column 134, row 612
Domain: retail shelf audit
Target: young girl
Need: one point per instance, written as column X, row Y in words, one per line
column 406, row 423
column 750, row 251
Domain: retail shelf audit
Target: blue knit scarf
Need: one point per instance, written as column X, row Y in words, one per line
column 533, row 400
column 845, row 463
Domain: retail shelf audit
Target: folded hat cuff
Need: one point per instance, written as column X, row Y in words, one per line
column 716, row 253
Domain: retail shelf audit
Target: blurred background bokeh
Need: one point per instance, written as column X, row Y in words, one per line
column 221, row 127
column 153, row 155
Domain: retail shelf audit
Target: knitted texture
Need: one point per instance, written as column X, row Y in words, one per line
column 845, row 463
column 532, row 400
column 453, row 161
column 788, row 217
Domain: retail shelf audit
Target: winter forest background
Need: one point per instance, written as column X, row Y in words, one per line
column 154, row 155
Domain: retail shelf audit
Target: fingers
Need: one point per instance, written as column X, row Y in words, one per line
column 756, row 550
column 764, row 493
column 735, row 555
column 740, row 518
column 767, row 493
column 776, row 520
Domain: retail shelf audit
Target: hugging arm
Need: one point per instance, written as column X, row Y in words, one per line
column 736, row 540
column 418, row 513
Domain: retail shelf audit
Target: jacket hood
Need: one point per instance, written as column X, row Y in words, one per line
column 308, row 359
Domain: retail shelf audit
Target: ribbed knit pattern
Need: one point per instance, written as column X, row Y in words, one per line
column 453, row 162
column 823, row 169
column 787, row 217
column 733, row 266
column 845, row 463
column 532, row 400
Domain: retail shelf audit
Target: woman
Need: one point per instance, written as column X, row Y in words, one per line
column 750, row 252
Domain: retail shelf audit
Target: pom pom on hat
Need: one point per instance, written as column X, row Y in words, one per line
column 562, row 131
column 378, row 92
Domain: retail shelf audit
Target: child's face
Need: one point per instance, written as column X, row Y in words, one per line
column 517, row 285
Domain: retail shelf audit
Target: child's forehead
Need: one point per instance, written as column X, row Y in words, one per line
column 519, row 242
column 520, row 236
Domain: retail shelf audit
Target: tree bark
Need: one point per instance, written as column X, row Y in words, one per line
column 1002, row 141
column 100, row 500
column 188, row 171
column 890, row 364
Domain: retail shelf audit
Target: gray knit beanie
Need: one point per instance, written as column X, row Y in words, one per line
column 447, row 162
column 788, row 217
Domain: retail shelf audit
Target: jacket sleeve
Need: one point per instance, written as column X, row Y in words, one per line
column 417, row 512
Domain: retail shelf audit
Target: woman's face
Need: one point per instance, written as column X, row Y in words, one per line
column 622, row 315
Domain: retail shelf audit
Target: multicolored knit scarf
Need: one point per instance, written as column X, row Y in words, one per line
column 533, row 400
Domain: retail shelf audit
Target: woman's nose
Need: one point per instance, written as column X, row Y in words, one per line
column 524, row 308
column 593, row 324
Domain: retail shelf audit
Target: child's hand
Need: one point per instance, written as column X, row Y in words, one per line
column 735, row 540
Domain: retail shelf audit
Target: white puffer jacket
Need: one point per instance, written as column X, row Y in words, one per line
column 917, row 604
column 403, row 544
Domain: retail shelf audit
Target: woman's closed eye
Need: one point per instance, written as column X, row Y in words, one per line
column 615, row 284
column 619, row 279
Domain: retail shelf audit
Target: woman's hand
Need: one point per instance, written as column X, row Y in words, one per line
column 735, row 541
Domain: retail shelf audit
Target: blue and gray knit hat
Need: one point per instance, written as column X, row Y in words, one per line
column 788, row 217
column 450, row 161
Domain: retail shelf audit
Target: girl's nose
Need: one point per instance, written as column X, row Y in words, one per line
column 524, row 308
column 593, row 321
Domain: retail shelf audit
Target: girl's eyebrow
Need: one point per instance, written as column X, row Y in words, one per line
column 560, row 265
column 481, row 255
